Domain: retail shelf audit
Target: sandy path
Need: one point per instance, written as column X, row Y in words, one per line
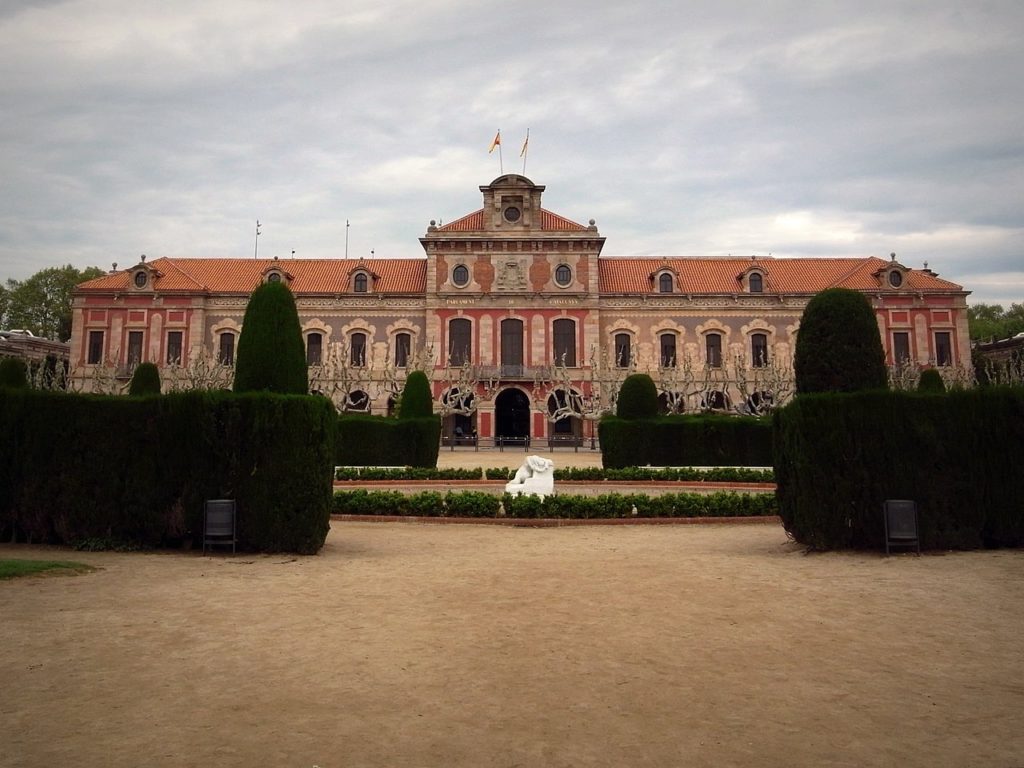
column 416, row 645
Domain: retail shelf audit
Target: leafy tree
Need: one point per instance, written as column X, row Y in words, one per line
column 13, row 373
column 991, row 321
column 416, row 399
column 42, row 303
column 271, row 355
column 638, row 397
column 930, row 381
column 838, row 347
column 145, row 380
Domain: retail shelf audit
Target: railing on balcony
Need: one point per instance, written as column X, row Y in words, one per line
column 514, row 372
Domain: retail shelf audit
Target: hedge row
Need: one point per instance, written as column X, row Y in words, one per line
column 135, row 471
column 364, row 440
column 560, row 506
column 666, row 474
column 705, row 440
column 839, row 456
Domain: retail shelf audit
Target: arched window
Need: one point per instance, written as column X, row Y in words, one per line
column 357, row 356
column 759, row 350
column 668, row 350
column 460, row 275
column 623, row 350
column 665, row 282
column 564, row 346
column 756, row 282
column 713, row 349
column 359, row 282
column 403, row 343
column 460, row 336
column 226, row 352
column 314, row 348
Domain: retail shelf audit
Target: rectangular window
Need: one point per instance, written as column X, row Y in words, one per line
column 174, row 347
column 623, row 350
column 95, row 353
column 713, row 347
column 901, row 348
column 668, row 350
column 314, row 349
column 459, row 339
column 564, row 347
column 403, row 343
column 759, row 350
column 943, row 349
column 134, row 347
column 357, row 358
column 226, row 356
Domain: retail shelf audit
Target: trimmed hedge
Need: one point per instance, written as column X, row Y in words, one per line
column 145, row 380
column 365, row 440
column 638, row 398
column 930, row 380
column 66, row 476
column 271, row 353
column 416, row 402
column 839, row 456
column 704, row 440
column 667, row 474
column 558, row 506
column 13, row 373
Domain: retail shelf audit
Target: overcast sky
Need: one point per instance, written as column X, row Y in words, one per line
column 683, row 128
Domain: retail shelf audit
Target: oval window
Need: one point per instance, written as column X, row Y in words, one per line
column 140, row 279
column 895, row 279
column 460, row 275
column 563, row 275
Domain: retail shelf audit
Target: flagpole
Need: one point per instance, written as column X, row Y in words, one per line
column 526, row 150
column 501, row 160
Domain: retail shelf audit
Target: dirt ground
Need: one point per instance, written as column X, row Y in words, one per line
column 423, row 645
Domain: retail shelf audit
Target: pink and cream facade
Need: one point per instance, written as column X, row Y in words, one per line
column 517, row 316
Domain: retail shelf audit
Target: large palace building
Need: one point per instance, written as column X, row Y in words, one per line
column 524, row 327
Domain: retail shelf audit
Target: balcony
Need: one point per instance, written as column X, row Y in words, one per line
column 514, row 372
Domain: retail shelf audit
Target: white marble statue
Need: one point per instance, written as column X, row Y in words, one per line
column 536, row 478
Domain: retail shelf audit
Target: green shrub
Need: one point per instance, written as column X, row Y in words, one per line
column 638, row 398
column 13, row 373
column 839, row 456
column 417, row 402
column 145, row 380
column 364, row 440
column 145, row 483
column 931, row 381
column 699, row 440
column 838, row 347
column 271, row 355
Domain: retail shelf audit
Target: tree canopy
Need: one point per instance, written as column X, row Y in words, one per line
column 987, row 322
column 42, row 303
column 271, row 354
column 838, row 347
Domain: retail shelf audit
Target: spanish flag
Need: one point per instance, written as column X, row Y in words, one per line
column 495, row 143
column 526, row 143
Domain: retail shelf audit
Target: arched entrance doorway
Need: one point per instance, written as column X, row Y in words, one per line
column 512, row 414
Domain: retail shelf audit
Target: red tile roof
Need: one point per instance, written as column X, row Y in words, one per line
column 549, row 222
column 710, row 275
column 243, row 275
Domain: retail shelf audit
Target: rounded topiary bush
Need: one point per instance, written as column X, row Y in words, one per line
column 416, row 398
column 13, row 373
column 838, row 347
column 145, row 380
column 638, row 398
column 931, row 381
column 271, row 355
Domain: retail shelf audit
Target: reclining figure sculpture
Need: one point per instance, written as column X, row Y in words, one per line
column 536, row 477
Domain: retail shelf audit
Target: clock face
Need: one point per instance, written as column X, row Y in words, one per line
column 140, row 279
column 512, row 213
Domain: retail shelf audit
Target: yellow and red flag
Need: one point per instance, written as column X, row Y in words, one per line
column 495, row 143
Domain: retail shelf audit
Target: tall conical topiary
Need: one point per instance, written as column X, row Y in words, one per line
column 638, row 398
column 416, row 399
column 13, row 373
column 145, row 380
column 271, row 355
column 931, row 381
column 838, row 347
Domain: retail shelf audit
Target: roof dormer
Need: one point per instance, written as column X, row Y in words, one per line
column 275, row 273
column 753, row 279
column 893, row 275
column 144, row 276
column 665, row 279
column 362, row 279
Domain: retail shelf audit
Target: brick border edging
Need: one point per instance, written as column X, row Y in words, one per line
column 548, row 522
